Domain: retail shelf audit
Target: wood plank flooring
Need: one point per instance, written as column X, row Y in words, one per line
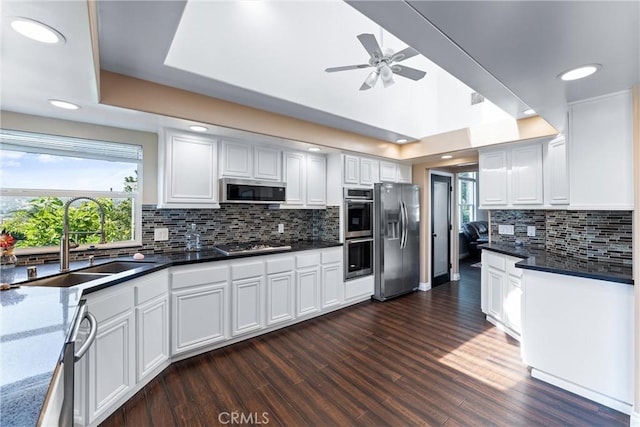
column 428, row 359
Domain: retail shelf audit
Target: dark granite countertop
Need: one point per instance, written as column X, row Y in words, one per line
column 552, row 263
column 34, row 322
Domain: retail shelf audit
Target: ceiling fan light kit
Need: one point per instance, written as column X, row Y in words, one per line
column 384, row 62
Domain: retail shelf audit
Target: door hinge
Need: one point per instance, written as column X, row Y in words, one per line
column 450, row 227
column 450, row 265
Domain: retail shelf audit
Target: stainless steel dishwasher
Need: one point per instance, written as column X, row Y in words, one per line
column 70, row 356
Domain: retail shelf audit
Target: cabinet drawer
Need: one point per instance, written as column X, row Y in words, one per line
column 307, row 260
column 150, row 287
column 246, row 270
column 495, row 260
column 279, row 265
column 330, row 256
column 111, row 303
column 188, row 276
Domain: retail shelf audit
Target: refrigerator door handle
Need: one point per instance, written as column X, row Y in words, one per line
column 405, row 220
column 401, row 225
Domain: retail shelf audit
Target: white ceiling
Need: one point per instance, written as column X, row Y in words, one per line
column 511, row 52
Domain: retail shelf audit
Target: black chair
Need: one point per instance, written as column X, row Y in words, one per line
column 476, row 233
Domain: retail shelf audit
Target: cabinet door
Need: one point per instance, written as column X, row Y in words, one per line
column 601, row 153
column 351, row 170
column 246, row 311
column 404, row 173
column 526, row 175
column 308, row 291
column 152, row 321
column 294, row 177
column 388, row 171
column 332, row 285
column 198, row 317
column 495, row 285
column 189, row 174
column 280, row 298
column 111, row 363
column 557, row 172
column 267, row 164
column 236, row 160
column 512, row 304
column 316, row 181
column 493, row 178
column 369, row 171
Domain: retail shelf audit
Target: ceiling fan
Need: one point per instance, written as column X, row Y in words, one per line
column 384, row 62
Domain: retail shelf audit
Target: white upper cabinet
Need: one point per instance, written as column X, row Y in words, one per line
column 556, row 172
column 295, row 177
column 316, row 180
column 404, row 173
column 267, row 164
column 526, row 175
column 351, row 169
column 243, row 160
column 369, row 171
column 493, row 178
column 187, row 171
column 388, row 171
column 236, row 160
column 601, row 153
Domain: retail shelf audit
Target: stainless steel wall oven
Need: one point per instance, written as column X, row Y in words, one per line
column 358, row 232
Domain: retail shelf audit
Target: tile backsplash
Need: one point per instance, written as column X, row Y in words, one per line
column 230, row 223
column 598, row 235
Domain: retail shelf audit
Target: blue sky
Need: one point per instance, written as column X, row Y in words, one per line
column 43, row 171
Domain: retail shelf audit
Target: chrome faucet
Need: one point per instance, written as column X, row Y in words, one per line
column 65, row 241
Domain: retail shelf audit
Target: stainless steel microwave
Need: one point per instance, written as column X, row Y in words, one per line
column 249, row 191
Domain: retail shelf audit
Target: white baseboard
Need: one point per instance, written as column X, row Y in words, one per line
column 455, row 277
column 424, row 286
column 635, row 419
column 610, row 402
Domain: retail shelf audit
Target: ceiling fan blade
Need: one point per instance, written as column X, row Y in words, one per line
column 408, row 72
column 405, row 53
column 347, row 67
column 370, row 44
column 365, row 86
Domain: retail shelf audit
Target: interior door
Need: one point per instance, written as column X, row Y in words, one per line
column 440, row 229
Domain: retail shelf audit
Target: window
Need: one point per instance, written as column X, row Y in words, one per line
column 467, row 197
column 40, row 173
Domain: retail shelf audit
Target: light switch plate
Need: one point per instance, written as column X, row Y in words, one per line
column 531, row 230
column 506, row 229
column 161, row 234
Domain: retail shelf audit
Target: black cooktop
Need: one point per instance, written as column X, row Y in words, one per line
column 250, row 248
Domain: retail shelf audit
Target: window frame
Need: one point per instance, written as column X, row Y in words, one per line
column 136, row 197
column 474, row 180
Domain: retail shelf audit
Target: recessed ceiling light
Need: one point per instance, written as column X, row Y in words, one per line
column 63, row 104
column 580, row 72
column 401, row 140
column 447, row 156
column 37, row 31
column 529, row 112
column 197, row 128
column 314, row 149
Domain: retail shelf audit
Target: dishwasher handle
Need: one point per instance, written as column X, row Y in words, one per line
column 93, row 330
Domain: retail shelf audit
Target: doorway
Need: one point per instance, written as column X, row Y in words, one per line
column 440, row 229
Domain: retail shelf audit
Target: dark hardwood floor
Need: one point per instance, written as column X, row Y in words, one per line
column 428, row 358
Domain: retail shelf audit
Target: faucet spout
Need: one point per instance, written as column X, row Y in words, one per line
column 65, row 239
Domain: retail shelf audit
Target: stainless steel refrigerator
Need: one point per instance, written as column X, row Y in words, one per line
column 396, row 239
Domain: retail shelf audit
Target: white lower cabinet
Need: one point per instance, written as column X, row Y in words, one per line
column 501, row 291
column 246, row 297
column 199, row 301
column 332, row 284
column 111, row 358
column 308, row 283
column 280, row 295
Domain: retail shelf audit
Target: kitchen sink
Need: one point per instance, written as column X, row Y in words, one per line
column 65, row 280
column 115, row 267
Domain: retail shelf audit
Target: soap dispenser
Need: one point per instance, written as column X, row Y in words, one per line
column 193, row 239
